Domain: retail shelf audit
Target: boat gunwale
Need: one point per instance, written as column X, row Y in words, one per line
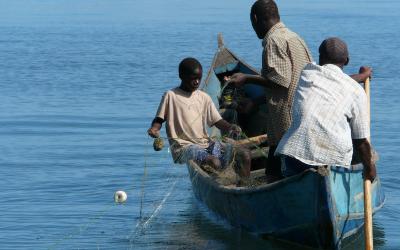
column 245, row 190
column 267, row 186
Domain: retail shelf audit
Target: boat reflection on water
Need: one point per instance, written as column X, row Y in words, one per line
column 357, row 241
column 208, row 231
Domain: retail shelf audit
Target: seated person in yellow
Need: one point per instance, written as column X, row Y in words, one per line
column 186, row 111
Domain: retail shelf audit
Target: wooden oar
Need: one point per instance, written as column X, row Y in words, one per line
column 252, row 141
column 369, row 244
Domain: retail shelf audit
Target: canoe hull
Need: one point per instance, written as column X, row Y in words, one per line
column 301, row 209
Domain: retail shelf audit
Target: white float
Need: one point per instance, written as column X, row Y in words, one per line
column 120, row 196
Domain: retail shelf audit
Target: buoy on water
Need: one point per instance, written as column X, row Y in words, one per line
column 120, row 197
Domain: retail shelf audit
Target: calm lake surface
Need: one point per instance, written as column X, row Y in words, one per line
column 80, row 81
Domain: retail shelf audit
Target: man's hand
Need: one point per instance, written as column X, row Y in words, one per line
column 238, row 79
column 365, row 72
column 370, row 173
column 154, row 132
column 365, row 152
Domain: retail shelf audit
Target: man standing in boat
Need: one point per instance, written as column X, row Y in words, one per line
column 187, row 110
column 329, row 116
column 284, row 56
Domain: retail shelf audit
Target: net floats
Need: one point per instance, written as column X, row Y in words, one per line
column 158, row 144
column 120, row 197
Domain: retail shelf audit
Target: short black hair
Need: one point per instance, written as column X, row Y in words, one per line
column 266, row 9
column 334, row 50
column 188, row 66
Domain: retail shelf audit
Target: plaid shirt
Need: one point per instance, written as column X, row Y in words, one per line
column 329, row 110
column 285, row 55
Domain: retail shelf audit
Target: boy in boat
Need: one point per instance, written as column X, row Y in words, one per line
column 186, row 110
column 329, row 116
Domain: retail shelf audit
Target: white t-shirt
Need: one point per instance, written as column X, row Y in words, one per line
column 186, row 115
column 329, row 110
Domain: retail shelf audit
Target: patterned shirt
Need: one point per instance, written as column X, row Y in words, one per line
column 329, row 110
column 284, row 56
column 186, row 115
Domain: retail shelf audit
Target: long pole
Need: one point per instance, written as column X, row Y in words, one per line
column 369, row 244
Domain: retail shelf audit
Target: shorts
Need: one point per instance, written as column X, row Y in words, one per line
column 222, row 151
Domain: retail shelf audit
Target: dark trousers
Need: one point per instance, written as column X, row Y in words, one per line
column 292, row 166
column 273, row 164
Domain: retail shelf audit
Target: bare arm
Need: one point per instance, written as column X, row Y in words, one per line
column 226, row 127
column 364, row 149
column 364, row 73
column 239, row 79
column 154, row 130
column 223, row 125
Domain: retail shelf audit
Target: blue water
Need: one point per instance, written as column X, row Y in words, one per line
column 80, row 81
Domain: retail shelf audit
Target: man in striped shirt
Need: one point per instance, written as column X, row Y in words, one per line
column 284, row 56
column 329, row 116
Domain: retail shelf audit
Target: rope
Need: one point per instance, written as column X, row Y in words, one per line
column 98, row 217
column 143, row 179
column 143, row 224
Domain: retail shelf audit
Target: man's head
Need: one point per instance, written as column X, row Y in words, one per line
column 263, row 15
column 190, row 72
column 333, row 51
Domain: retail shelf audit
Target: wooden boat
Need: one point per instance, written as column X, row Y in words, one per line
column 320, row 208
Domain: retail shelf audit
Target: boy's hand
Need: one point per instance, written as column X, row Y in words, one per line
column 235, row 130
column 154, row 132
